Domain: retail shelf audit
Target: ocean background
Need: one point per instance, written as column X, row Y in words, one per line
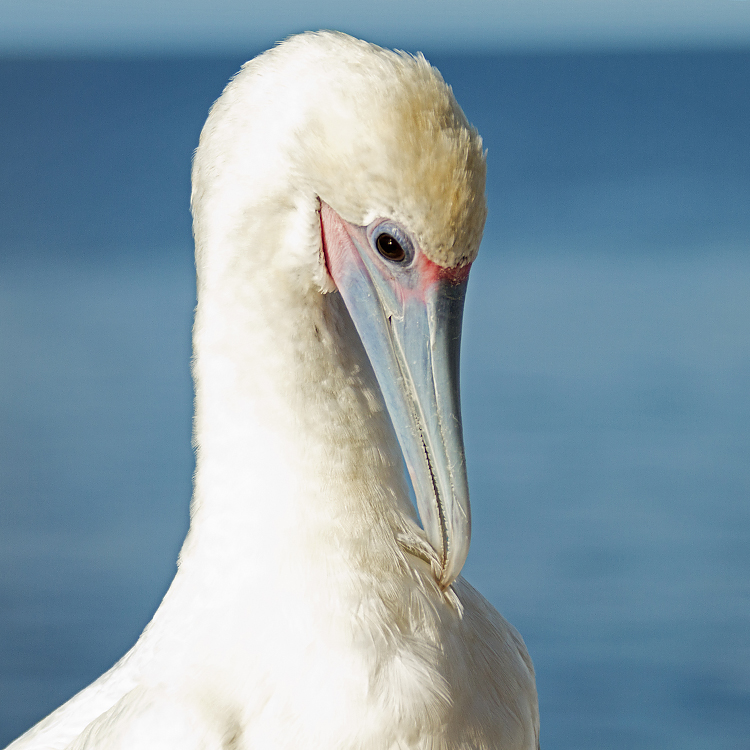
column 605, row 376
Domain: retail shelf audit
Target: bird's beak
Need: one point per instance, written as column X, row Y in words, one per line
column 409, row 320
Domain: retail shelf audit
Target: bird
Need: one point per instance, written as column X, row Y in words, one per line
column 338, row 200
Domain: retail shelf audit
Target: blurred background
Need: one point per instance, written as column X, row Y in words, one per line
column 606, row 357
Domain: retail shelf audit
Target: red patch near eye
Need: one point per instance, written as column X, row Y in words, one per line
column 431, row 272
column 336, row 242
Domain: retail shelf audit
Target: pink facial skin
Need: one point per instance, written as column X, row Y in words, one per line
column 455, row 275
column 337, row 244
column 339, row 250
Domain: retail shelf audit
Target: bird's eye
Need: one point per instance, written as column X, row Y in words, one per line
column 390, row 248
column 391, row 241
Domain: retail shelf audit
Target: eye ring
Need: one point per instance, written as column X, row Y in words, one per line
column 391, row 243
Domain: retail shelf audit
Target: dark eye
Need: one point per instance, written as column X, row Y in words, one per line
column 392, row 242
column 389, row 247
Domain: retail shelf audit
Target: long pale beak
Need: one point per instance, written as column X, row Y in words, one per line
column 409, row 319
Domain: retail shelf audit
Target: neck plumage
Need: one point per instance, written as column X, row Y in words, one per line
column 298, row 470
column 300, row 505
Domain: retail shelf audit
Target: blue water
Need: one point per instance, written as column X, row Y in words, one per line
column 606, row 365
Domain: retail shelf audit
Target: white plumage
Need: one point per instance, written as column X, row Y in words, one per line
column 310, row 609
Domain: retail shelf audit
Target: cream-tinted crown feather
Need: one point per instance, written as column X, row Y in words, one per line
column 372, row 132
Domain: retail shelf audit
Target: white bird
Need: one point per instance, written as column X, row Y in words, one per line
column 338, row 202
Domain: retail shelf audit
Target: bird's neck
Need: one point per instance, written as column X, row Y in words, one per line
column 299, row 474
column 300, row 517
